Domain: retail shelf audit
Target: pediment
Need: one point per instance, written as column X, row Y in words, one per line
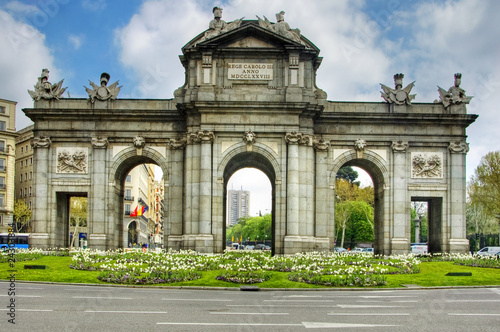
column 251, row 42
column 248, row 35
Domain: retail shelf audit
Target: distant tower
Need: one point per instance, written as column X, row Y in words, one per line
column 238, row 202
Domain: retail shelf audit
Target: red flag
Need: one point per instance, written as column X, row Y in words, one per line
column 134, row 213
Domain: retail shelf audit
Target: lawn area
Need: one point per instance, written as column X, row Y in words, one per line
column 233, row 269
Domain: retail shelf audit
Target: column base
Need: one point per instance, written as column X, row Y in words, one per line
column 459, row 246
column 97, row 241
column 174, row 242
column 202, row 243
column 400, row 246
column 39, row 240
column 296, row 244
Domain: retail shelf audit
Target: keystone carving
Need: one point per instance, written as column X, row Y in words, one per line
column 455, row 95
column 249, row 137
column 45, row 90
column 398, row 96
column 103, row 92
column 139, row 142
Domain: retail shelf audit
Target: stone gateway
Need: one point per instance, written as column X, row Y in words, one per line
column 250, row 100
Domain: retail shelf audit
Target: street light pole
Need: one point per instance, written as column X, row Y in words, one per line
column 417, row 228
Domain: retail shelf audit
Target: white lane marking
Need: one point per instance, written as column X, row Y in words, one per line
column 314, row 325
column 280, row 305
column 479, row 314
column 226, row 324
column 362, row 306
column 472, row 300
column 124, row 312
column 251, row 313
column 384, row 296
column 315, row 301
column 33, row 310
column 102, row 298
column 366, row 314
column 21, row 295
column 198, row 300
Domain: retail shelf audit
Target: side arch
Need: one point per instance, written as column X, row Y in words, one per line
column 377, row 168
column 121, row 165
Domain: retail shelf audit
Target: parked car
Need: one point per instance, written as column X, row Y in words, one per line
column 259, row 246
column 368, row 251
column 419, row 248
column 267, row 248
column 488, row 251
column 249, row 247
column 339, row 249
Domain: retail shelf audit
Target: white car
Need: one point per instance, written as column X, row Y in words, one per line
column 488, row 251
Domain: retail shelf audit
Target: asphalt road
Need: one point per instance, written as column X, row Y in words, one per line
column 51, row 307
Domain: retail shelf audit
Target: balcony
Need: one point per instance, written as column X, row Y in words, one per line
column 128, row 198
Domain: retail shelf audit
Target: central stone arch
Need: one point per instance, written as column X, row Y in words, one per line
column 259, row 157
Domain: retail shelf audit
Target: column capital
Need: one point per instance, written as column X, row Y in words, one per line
column 206, row 136
column 400, row 146
column 459, row 147
column 41, row 142
column 177, row 143
column 99, row 142
column 321, row 145
column 293, row 137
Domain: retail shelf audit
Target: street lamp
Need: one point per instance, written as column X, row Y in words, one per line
column 417, row 228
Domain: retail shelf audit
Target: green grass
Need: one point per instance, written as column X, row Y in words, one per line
column 432, row 274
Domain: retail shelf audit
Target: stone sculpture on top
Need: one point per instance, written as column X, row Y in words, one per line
column 103, row 92
column 455, row 95
column 218, row 26
column 398, row 96
column 281, row 27
column 45, row 90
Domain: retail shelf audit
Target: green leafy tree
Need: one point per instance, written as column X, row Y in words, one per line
column 77, row 215
column 252, row 228
column 22, row 216
column 348, row 173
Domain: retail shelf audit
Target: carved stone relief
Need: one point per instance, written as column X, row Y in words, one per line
column 426, row 165
column 459, row 147
column 249, row 137
column 40, row 142
column 400, row 146
column 72, row 160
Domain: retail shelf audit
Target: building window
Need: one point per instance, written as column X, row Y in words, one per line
column 127, row 209
column 22, row 149
column 25, row 192
column 2, row 109
column 29, row 205
column 2, row 146
column 2, row 125
column 2, row 165
column 21, row 193
column 31, row 175
column 21, row 164
column 31, row 161
column 2, row 182
column 21, row 179
column 129, row 178
column 2, row 199
column 30, row 191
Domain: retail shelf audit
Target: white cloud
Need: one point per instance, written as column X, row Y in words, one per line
column 23, row 56
column 75, row 41
column 94, row 5
column 21, row 8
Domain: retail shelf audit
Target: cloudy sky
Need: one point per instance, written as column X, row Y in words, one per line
column 363, row 43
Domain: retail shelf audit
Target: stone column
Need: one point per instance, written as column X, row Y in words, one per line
column 41, row 213
column 400, row 232
column 204, row 242
column 97, row 199
column 293, row 183
column 175, row 193
column 457, row 180
column 322, row 196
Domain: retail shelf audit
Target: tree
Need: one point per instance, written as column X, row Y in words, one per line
column 22, row 216
column 252, row 228
column 484, row 191
column 484, row 186
column 348, row 173
column 355, row 220
column 77, row 215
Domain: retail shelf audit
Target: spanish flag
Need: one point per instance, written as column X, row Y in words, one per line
column 134, row 213
column 140, row 210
